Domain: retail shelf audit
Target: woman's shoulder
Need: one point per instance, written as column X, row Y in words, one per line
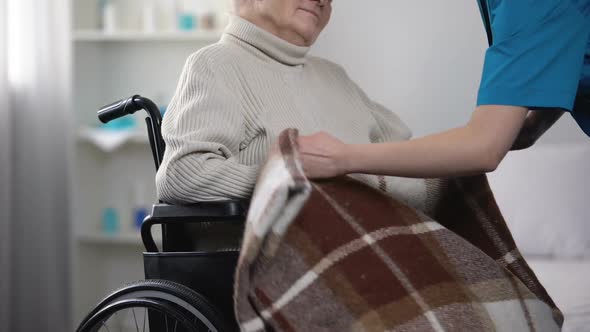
column 333, row 72
column 210, row 57
column 324, row 65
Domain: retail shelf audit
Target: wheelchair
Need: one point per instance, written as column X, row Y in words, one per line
column 189, row 282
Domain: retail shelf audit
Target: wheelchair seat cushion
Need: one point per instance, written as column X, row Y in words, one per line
column 340, row 255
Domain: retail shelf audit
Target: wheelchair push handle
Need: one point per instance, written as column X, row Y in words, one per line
column 118, row 109
column 131, row 105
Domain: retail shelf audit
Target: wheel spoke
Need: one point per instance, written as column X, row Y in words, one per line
column 105, row 326
column 135, row 319
column 160, row 303
column 117, row 319
column 122, row 322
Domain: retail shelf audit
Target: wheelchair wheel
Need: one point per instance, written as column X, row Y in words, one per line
column 157, row 306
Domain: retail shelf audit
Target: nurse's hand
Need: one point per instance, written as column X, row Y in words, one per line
column 323, row 156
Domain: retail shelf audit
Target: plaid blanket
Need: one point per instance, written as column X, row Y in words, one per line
column 340, row 255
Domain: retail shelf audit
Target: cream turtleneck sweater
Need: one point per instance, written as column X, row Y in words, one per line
column 236, row 96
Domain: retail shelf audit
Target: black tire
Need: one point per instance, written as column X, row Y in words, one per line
column 179, row 296
column 96, row 322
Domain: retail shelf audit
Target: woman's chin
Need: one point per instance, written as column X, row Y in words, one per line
column 308, row 32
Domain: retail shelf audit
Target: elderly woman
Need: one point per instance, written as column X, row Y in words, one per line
column 236, row 96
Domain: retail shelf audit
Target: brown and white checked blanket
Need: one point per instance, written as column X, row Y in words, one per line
column 339, row 255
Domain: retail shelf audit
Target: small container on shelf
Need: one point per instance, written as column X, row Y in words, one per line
column 140, row 210
column 186, row 21
column 108, row 16
column 207, row 15
column 110, row 221
column 111, row 213
column 208, row 21
column 186, row 16
column 167, row 15
column 149, row 16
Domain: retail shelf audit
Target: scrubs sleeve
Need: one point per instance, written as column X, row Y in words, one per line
column 537, row 56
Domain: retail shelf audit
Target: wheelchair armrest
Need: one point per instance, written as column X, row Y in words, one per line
column 222, row 209
column 163, row 213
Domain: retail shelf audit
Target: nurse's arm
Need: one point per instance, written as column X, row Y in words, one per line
column 477, row 147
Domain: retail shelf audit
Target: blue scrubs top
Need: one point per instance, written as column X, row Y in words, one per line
column 540, row 56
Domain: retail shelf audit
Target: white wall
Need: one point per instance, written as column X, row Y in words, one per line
column 423, row 59
column 420, row 58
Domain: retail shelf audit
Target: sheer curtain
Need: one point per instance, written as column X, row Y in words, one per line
column 5, row 152
column 34, row 152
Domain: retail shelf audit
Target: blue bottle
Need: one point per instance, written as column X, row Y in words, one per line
column 186, row 22
column 139, row 205
column 110, row 221
column 139, row 215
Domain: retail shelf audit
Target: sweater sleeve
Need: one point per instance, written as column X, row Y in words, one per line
column 203, row 129
column 388, row 125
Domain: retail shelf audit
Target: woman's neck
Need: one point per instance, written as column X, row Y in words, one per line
column 268, row 23
column 275, row 47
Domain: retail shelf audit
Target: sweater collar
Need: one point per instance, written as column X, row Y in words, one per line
column 271, row 45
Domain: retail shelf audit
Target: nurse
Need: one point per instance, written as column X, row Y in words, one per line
column 537, row 68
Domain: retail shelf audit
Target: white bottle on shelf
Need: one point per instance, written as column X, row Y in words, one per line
column 167, row 15
column 149, row 16
column 109, row 16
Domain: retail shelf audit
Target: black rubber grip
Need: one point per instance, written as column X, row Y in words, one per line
column 118, row 109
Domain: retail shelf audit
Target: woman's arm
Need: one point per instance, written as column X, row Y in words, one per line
column 203, row 130
column 474, row 148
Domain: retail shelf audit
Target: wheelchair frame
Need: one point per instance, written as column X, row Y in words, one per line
column 209, row 273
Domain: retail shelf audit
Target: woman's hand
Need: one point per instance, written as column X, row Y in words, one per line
column 323, row 156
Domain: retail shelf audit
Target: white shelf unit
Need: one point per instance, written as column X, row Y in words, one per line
column 137, row 36
column 109, row 167
column 110, row 141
